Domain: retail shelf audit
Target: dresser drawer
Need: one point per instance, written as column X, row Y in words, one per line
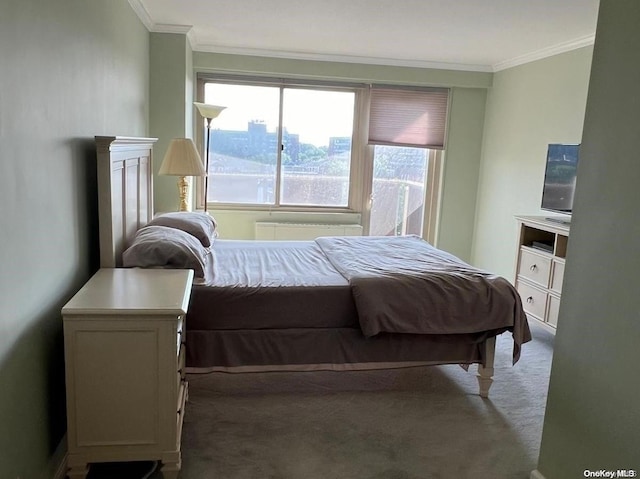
column 557, row 275
column 534, row 266
column 552, row 310
column 534, row 301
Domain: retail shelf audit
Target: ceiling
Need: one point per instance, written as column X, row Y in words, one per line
column 478, row 35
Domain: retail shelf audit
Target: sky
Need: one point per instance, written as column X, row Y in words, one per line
column 313, row 114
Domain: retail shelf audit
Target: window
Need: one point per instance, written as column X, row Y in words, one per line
column 398, row 190
column 406, row 132
column 318, row 146
column 280, row 146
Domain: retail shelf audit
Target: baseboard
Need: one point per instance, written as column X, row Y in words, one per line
column 57, row 468
column 535, row 474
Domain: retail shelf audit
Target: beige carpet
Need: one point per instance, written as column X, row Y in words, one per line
column 413, row 423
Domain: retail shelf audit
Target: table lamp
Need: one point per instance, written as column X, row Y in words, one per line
column 182, row 159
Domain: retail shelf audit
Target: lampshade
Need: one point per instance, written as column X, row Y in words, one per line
column 208, row 111
column 182, row 159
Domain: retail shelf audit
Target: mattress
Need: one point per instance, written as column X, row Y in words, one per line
column 271, row 285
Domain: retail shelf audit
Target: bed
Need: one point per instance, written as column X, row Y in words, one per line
column 333, row 303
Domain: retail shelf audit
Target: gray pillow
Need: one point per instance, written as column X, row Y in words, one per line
column 200, row 225
column 161, row 246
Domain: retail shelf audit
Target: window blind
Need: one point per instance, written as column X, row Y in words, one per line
column 414, row 118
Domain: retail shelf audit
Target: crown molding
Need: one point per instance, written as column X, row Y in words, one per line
column 546, row 52
column 180, row 29
column 170, row 28
column 188, row 30
column 321, row 57
column 145, row 18
column 142, row 13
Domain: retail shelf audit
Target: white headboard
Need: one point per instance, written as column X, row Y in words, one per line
column 125, row 192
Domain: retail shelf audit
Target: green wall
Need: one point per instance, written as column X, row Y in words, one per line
column 171, row 108
column 322, row 70
column 460, row 172
column 69, row 70
column 528, row 107
column 593, row 413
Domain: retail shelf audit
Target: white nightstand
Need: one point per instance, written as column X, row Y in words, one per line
column 124, row 357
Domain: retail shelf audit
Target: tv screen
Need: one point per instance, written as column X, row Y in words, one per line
column 560, row 178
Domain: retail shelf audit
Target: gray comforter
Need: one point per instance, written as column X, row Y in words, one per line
column 405, row 285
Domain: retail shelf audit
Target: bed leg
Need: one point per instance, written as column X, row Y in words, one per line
column 485, row 373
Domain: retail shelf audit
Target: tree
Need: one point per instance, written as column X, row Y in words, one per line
column 311, row 153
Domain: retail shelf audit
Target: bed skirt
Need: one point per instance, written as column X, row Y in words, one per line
column 325, row 349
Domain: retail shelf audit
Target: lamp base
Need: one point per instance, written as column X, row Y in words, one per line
column 183, row 192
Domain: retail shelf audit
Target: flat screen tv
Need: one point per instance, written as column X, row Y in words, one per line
column 560, row 178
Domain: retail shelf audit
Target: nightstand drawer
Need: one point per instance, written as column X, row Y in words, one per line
column 180, row 333
column 180, row 371
column 535, row 267
column 181, row 359
column 182, row 396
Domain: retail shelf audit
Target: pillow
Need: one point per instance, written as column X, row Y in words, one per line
column 161, row 246
column 200, row 225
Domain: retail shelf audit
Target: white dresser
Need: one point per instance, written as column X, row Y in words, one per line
column 124, row 362
column 541, row 256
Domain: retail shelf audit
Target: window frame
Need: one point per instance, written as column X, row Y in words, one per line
column 431, row 205
column 361, row 168
column 355, row 180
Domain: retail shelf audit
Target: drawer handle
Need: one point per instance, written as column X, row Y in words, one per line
column 533, row 267
column 530, row 299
